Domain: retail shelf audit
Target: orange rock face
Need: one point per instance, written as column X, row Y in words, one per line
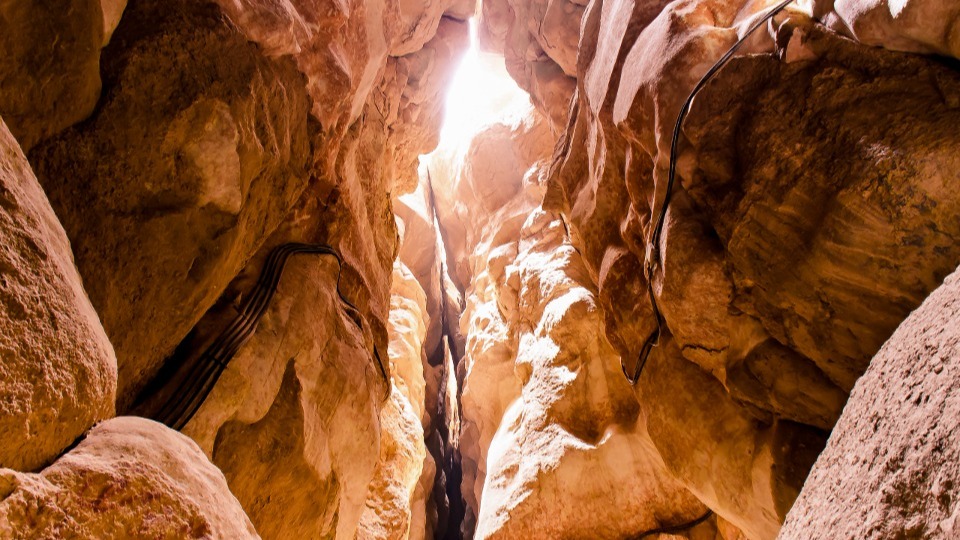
column 58, row 372
column 129, row 477
column 173, row 145
column 554, row 442
column 807, row 196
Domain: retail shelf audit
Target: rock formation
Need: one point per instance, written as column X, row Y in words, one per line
column 452, row 366
column 128, row 478
column 890, row 468
column 223, row 130
column 58, row 374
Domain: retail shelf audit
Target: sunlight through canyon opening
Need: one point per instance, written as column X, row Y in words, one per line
column 481, row 93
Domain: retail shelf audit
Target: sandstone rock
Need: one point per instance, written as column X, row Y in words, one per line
column 539, row 41
column 876, row 241
column 293, row 420
column 341, row 49
column 571, row 457
column 199, row 148
column 890, row 469
column 924, row 26
column 58, row 374
column 553, row 443
column 128, row 478
column 790, row 250
column 391, row 500
column 49, row 65
column 747, row 469
column 410, row 99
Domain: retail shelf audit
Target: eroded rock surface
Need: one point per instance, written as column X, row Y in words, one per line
column 49, row 64
column 198, row 150
column 128, row 478
column 553, row 442
column 890, row 469
column 397, row 506
column 924, row 26
column 58, row 372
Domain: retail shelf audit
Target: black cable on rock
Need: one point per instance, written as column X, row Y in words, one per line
column 183, row 404
column 653, row 255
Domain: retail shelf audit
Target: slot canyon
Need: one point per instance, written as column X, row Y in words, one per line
column 480, row 269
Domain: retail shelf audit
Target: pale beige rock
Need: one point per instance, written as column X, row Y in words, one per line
column 891, row 469
column 539, row 40
column 409, row 100
column 58, row 371
column 128, row 478
column 553, row 443
column 49, row 65
column 571, row 457
column 341, row 48
column 392, row 497
column 307, row 380
column 924, row 26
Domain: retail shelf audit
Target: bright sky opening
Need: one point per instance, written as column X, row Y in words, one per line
column 481, row 93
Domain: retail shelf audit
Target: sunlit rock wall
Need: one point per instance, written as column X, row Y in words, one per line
column 812, row 212
column 553, row 441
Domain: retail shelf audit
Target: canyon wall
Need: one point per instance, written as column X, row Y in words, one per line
column 452, row 365
column 179, row 143
column 552, row 441
column 812, row 211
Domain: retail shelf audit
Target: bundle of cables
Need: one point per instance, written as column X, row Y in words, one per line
column 199, row 377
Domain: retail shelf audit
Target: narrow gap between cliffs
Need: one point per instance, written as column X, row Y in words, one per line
column 480, row 93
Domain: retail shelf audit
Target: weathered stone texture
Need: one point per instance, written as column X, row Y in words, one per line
column 128, row 478
column 58, row 372
column 892, row 466
column 924, row 26
column 395, row 508
column 197, row 151
column 49, row 64
column 553, row 441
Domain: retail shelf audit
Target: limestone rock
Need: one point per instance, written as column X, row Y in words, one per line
column 128, row 478
column 890, row 469
column 198, row 149
column 49, row 65
column 58, row 373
